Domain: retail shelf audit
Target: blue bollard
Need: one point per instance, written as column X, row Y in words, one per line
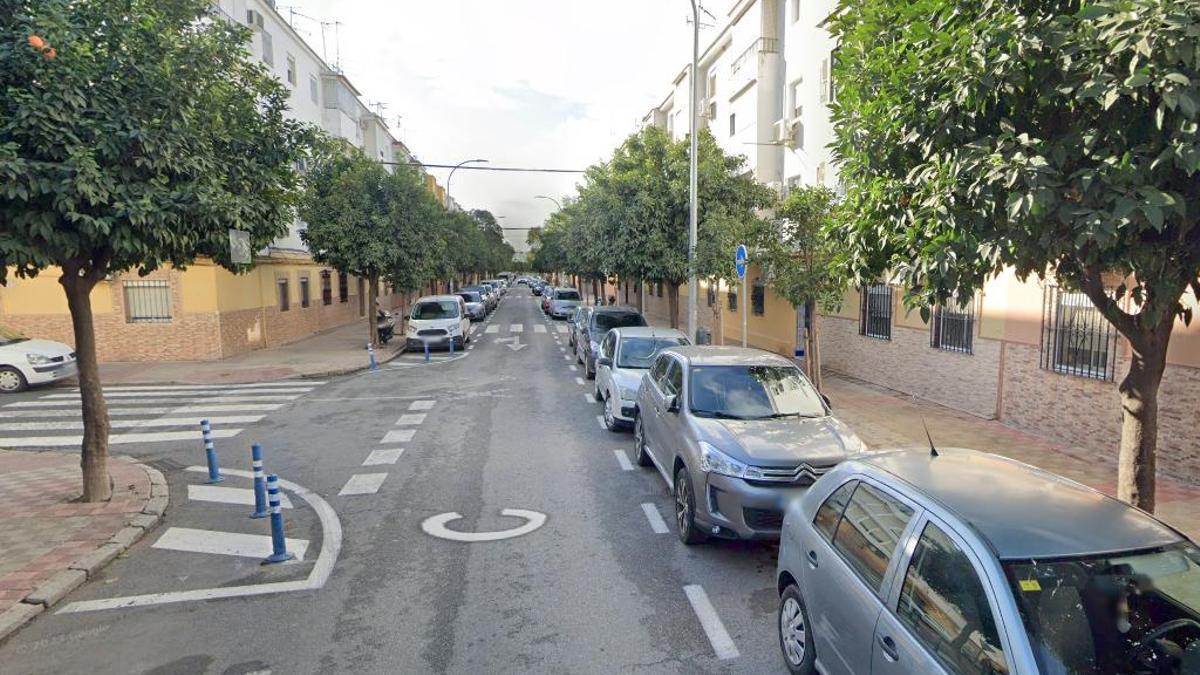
column 426, row 342
column 260, row 484
column 279, row 551
column 371, row 355
column 210, row 451
column 451, row 345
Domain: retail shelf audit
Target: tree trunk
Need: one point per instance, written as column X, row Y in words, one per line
column 625, row 287
column 97, row 487
column 596, row 300
column 814, row 347
column 1139, row 416
column 640, row 292
column 372, row 308
column 673, row 303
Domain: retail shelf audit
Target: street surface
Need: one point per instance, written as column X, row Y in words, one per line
column 378, row 465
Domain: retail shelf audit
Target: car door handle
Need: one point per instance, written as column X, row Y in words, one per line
column 812, row 559
column 888, row 645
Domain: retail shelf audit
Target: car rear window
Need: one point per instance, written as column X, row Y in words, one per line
column 638, row 352
column 566, row 295
column 606, row 321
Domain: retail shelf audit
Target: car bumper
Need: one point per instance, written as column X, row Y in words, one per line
column 51, row 373
column 627, row 412
column 742, row 510
column 434, row 343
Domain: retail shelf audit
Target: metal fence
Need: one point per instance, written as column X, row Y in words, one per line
column 875, row 311
column 1076, row 338
column 953, row 329
column 147, row 301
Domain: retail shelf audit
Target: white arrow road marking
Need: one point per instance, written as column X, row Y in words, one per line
column 436, row 526
column 656, row 520
column 722, row 644
column 229, row 495
column 514, row 342
column 410, row 419
column 538, row 328
column 399, row 436
column 363, row 484
column 623, row 460
column 224, row 543
column 421, row 405
column 383, row 456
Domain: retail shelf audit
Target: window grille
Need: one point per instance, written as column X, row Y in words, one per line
column 326, row 288
column 304, row 296
column 731, row 299
column 953, row 328
column 147, row 301
column 1076, row 338
column 758, row 298
column 875, row 312
column 343, row 287
column 285, row 295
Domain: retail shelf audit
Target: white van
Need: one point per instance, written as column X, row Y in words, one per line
column 438, row 320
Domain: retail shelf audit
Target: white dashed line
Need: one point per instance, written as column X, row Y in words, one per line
column 411, row 419
column 600, row 419
column 363, row 484
column 421, row 405
column 656, row 520
column 579, row 381
column 566, row 357
column 623, row 460
column 383, row 456
column 399, row 436
column 539, row 329
column 492, row 329
column 587, row 398
column 516, row 328
column 572, row 368
column 722, row 644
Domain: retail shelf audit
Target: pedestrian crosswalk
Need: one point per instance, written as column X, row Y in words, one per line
column 146, row 413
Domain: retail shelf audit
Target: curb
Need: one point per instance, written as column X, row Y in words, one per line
column 54, row 589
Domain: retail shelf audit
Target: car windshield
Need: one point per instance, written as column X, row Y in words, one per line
column 638, row 352
column 566, row 295
column 606, row 321
column 753, row 392
column 471, row 297
column 439, row 309
column 1110, row 614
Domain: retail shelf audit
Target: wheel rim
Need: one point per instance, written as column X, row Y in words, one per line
column 609, row 418
column 637, row 436
column 682, row 507
column 792, row 631
column 9, row 381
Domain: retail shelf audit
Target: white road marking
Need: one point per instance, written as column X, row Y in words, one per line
column 224, row 543
column 656, row 520
column 538, row 328
column 516, row 328
column 412, row 419
column 572, row 368
column 399, row 436
column 363, row 484
column 143, row 410
column 305, row 385
column 421, row 405
column 383, row 456
column 436, row 526
column 587, row 398
column 43, row 403
column 722, row 644
column 562, row 349
column 600, row 419
column 331, row 546
column 492, row 329
column 130, row 424
column 119, row 439
column 562, row 329
column 229, row 495
column 156, row 393
column 567, row 357
column 580, row 381
column 623, row 460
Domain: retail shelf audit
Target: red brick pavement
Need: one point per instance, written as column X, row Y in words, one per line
column 43, row 530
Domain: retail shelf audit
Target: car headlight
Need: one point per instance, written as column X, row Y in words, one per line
column 713, row 460
column 38, row 359
column 628, row 394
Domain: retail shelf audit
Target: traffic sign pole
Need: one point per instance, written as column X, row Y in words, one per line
column 740, row 260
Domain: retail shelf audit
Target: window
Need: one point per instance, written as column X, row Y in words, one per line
column 711, row 89
column 285, row 299
column 268, row 46
column 712, row 294
column 314, row 89
column 868, row 532
column 824, row 83
column 1076, row 338
column 304, row 297
column 147, row 301
column 944, row 605
column 674, row 379
column 753, row 393
column 638, row 352
column 875, row 312
column 731, row 300
column 832, row 94
column 758, row 297
column 794, row 98
column 659, row 371
column 831, row 509
column 606, row 347
column 326, row 288
column 732, row 124
column 952, row 328
column 291, row 70
column 435, row 309
column 343, row 287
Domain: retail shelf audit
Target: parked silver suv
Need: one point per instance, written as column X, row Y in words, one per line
column 737, row 434
column 917, row 563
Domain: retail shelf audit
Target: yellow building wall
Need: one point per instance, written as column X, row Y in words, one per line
column 44, row 295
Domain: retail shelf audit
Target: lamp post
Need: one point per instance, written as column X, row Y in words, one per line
column 456, row 168
column 693, row 286
column 551, row 199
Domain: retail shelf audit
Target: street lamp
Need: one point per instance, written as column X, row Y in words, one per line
column 693, row 286
column 551, row 199
column 456, row 168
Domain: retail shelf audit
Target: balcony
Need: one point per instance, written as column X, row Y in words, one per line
column 744, row 69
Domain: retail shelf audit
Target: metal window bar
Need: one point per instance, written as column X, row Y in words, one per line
column 147, row 301
column 953, row 329
column 731, row 299
column 285, row 299
column 304, row 294
column 758, row 298
column 343, row 287
column 1076, row 338
column 875, row 312
column 326, row 288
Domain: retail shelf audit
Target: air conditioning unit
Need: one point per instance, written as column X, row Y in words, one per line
column 786, row 132
column 254, row 19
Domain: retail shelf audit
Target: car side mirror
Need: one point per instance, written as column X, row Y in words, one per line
column 673, row 404
column 828, row 404
column 604, row 361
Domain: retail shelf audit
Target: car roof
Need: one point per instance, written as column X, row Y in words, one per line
column 438, row 298
column 1022, row 511
column 649, row 332
column 711, row 355
column 616, row 309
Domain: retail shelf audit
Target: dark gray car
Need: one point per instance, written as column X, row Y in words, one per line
column 917, row 563
column 602, row 320
column 737, row 434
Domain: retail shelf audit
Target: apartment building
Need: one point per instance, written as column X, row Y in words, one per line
column 206, row 312
column 1027, row 353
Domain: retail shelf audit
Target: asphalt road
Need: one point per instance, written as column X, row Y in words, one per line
column 593, row 589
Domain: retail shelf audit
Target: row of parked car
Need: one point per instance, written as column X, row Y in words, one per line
column 905, row 561
column 444, row 321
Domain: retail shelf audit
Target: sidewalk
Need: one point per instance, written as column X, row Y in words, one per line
column 49, row 543
column 889, row 419
column 334, row 352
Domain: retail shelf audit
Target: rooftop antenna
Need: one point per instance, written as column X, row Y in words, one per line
column 932, row 450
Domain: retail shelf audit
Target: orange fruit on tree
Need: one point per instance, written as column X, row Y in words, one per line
column 37, row 42
column 50, row 52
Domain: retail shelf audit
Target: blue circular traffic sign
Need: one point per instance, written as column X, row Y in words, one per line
column 739, row 261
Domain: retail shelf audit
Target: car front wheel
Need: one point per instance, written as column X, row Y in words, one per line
column 640, row 455
column 610, row 415
column 685, row 509
column 11, row 380
column 795, row 639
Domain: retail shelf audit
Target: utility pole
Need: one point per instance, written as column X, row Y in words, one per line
column 693, row 285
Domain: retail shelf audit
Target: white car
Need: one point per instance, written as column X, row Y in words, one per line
column 24, row 362
column 625, row 355
column 439, row 321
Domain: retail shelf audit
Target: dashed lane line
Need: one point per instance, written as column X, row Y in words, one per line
column 656, row 520
column 623, row 460
column 492, row 329
column 423, row 404
column 383, row 456
column 600, row 420
column 399, row 436
column 410, row 419
column 539, row 329
column 718, row 637
column 587, row 398
column 362, row 484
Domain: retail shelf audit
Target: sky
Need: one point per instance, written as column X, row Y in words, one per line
column 529, row 83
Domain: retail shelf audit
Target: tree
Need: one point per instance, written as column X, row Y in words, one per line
column 800, row 257
column 369, row 222
column 1056, row 138
column 136, row 138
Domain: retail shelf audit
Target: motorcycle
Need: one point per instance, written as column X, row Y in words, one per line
column 385, row 325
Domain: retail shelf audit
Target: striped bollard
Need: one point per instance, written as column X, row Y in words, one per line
column 210, row 451
column 260, row 483
column 371, row 356
column 279, row 551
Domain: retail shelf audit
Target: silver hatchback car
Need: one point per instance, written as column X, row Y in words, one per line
column 912, row 562
column 737, row 434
